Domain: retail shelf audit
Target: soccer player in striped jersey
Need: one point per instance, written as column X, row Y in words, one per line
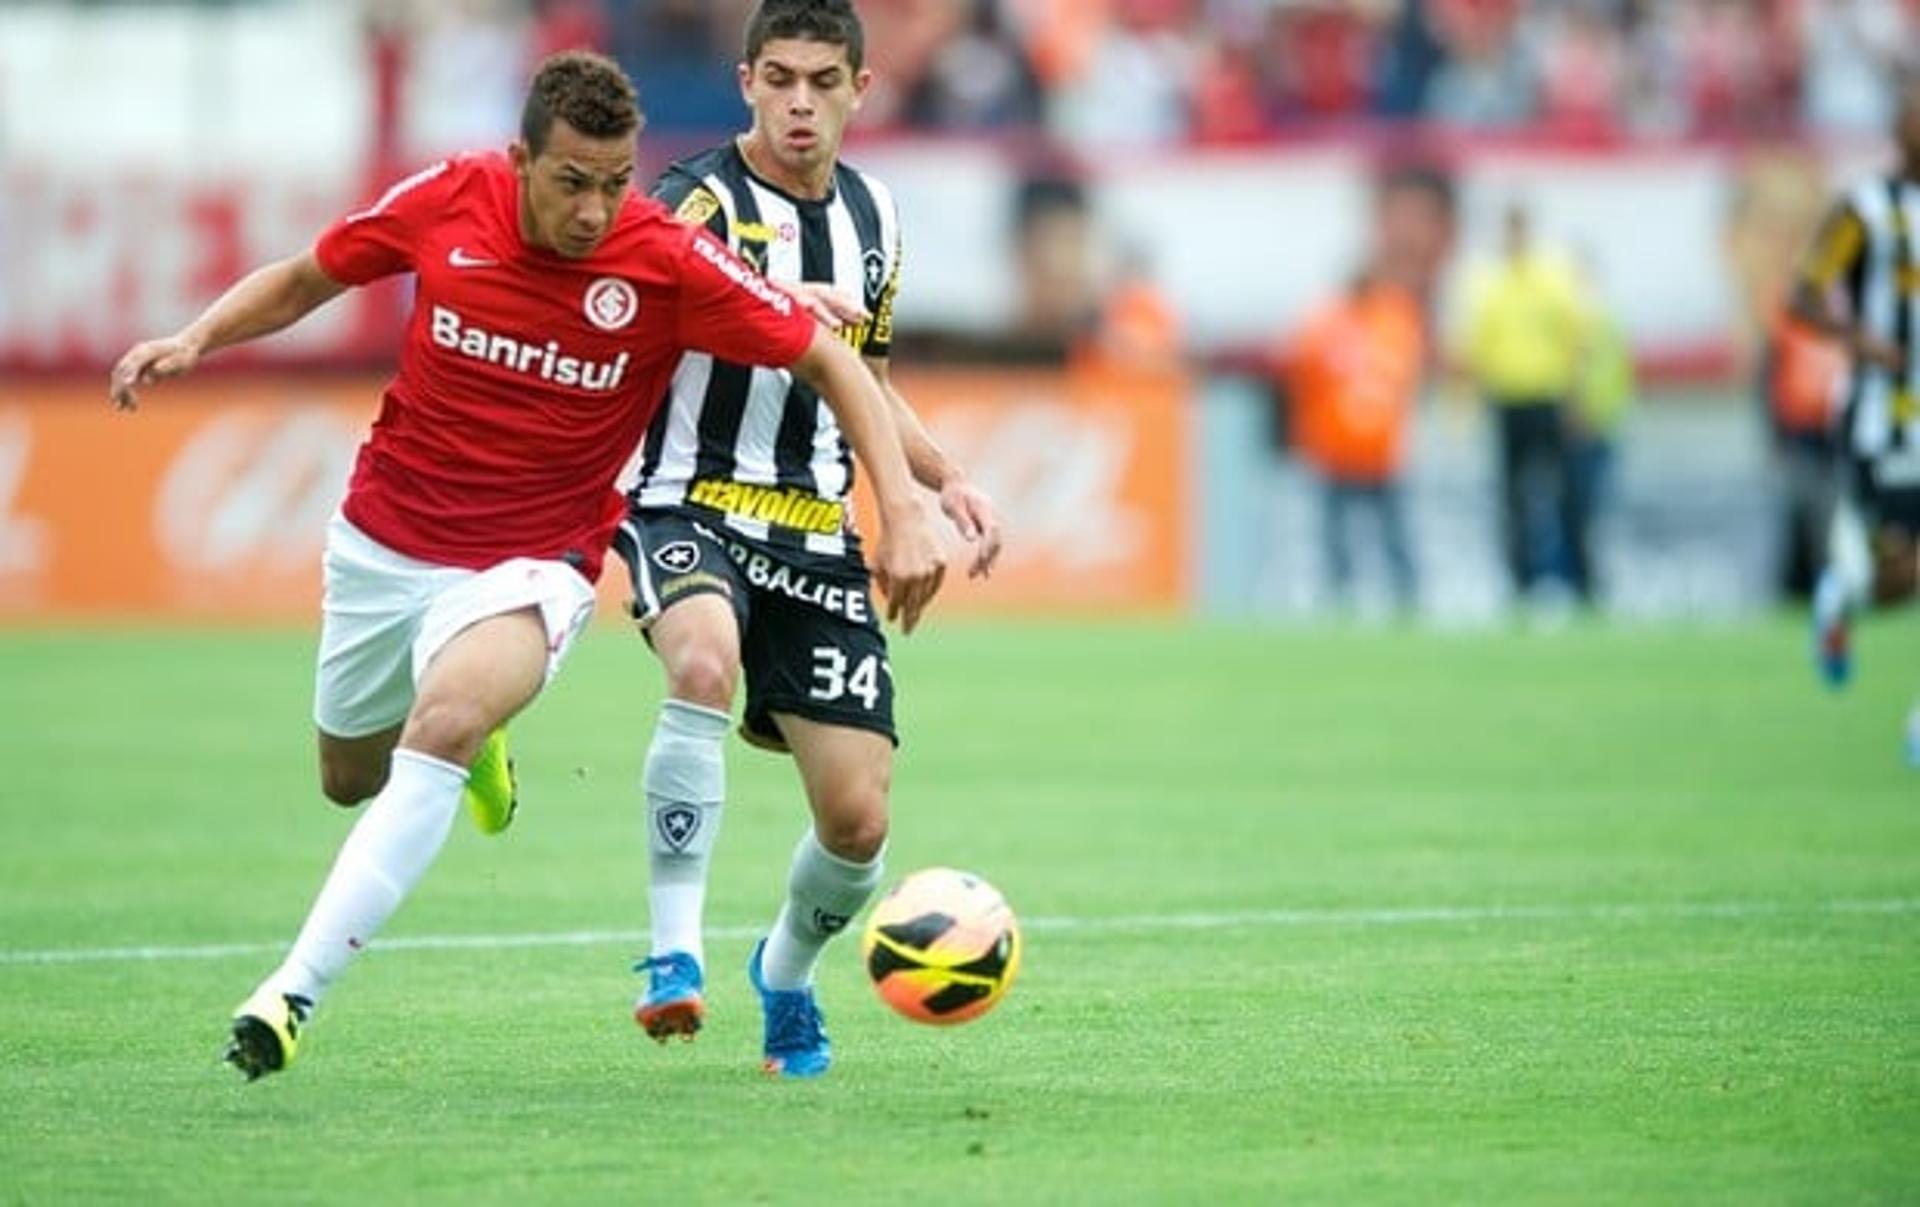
column 740, row 540
column 1860, row 283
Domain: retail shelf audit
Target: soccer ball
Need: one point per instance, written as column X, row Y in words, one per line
column 942, row 947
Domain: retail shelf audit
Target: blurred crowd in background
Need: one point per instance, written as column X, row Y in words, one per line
column 1101, row 73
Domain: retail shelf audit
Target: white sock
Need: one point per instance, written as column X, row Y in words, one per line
column 685, row 780
column 391, row 846
column 1830, row 601
column 1846, row 584
column 824, row 892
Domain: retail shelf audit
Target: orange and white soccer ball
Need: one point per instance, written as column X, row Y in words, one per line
column 943, row 947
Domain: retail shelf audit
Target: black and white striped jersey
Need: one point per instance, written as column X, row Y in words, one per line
column 1873, row 254
column 748, row 445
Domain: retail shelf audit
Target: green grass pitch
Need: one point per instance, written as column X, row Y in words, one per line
column 1594, row 916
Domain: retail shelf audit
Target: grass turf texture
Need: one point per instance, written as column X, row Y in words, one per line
column 160, row 791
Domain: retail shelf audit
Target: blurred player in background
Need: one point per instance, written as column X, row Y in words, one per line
column 551, row 307
column 1797, row 381
column 1860, row 283
column 1414, row 224
column 1778, row 200
column 1355, row 369
column 1052, row 243
column 1137, row 328
column 1597, row 413
column 741, row 547
column 1526, row 337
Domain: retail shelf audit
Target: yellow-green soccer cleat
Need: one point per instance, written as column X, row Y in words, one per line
column 266, row 1032
column 491, row 795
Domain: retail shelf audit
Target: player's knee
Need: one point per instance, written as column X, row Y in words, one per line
column 856, row 834
column 705, row 676
column 348, row 784
column 447, row 728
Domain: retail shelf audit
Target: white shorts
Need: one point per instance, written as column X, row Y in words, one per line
column 385, row 615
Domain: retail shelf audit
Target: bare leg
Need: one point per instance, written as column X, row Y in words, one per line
column 354, row 769
column 483, row 676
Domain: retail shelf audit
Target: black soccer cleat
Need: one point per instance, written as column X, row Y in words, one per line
column 266, row 1032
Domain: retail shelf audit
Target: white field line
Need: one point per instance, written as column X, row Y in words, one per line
column 1242, row 919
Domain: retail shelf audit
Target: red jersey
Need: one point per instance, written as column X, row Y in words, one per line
column 527, row 379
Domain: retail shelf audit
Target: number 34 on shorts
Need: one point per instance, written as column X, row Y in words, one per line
column 836, row 677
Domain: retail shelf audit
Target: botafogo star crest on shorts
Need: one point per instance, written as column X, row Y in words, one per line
column 676, row 557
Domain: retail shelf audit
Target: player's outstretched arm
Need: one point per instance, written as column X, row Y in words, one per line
column 1837, row 248
column 907, row 563
column 834, row 307
column 267, row 299
column 970, row 508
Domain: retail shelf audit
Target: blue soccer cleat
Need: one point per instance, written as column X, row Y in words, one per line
column 796, row 1041
column 672, row 1004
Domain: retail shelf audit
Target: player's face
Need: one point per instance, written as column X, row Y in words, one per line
column 1413, row 232
column 801, row 93
column 571, row 191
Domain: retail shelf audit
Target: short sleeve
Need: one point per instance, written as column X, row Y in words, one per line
column 878, row 341
column 1836, row 247
column 728, row 310
column 379, row 240
column 691, row 201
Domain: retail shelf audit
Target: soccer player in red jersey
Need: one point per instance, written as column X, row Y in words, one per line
column 552, row 305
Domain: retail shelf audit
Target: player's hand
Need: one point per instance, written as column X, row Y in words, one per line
column 1876, row 351
column 908, row 566
column 147, row 362
column 833, row 308
column 971, row 511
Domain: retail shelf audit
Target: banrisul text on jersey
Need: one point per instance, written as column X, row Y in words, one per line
column 545, row 361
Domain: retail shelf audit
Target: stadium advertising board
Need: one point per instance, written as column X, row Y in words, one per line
column 1090, row 470
column 211, row 501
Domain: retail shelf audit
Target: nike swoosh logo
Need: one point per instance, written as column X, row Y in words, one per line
column 459, row 258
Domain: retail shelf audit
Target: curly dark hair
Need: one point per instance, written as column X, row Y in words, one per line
column 830, row 21
column 587, row 91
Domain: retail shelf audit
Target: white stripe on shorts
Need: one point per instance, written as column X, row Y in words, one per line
column 642, row 573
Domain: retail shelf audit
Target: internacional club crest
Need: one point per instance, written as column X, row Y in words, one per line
column 611, row 303
column 678, row 824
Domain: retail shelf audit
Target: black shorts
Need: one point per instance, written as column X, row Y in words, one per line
column 810, row 640
column 1887, row 489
